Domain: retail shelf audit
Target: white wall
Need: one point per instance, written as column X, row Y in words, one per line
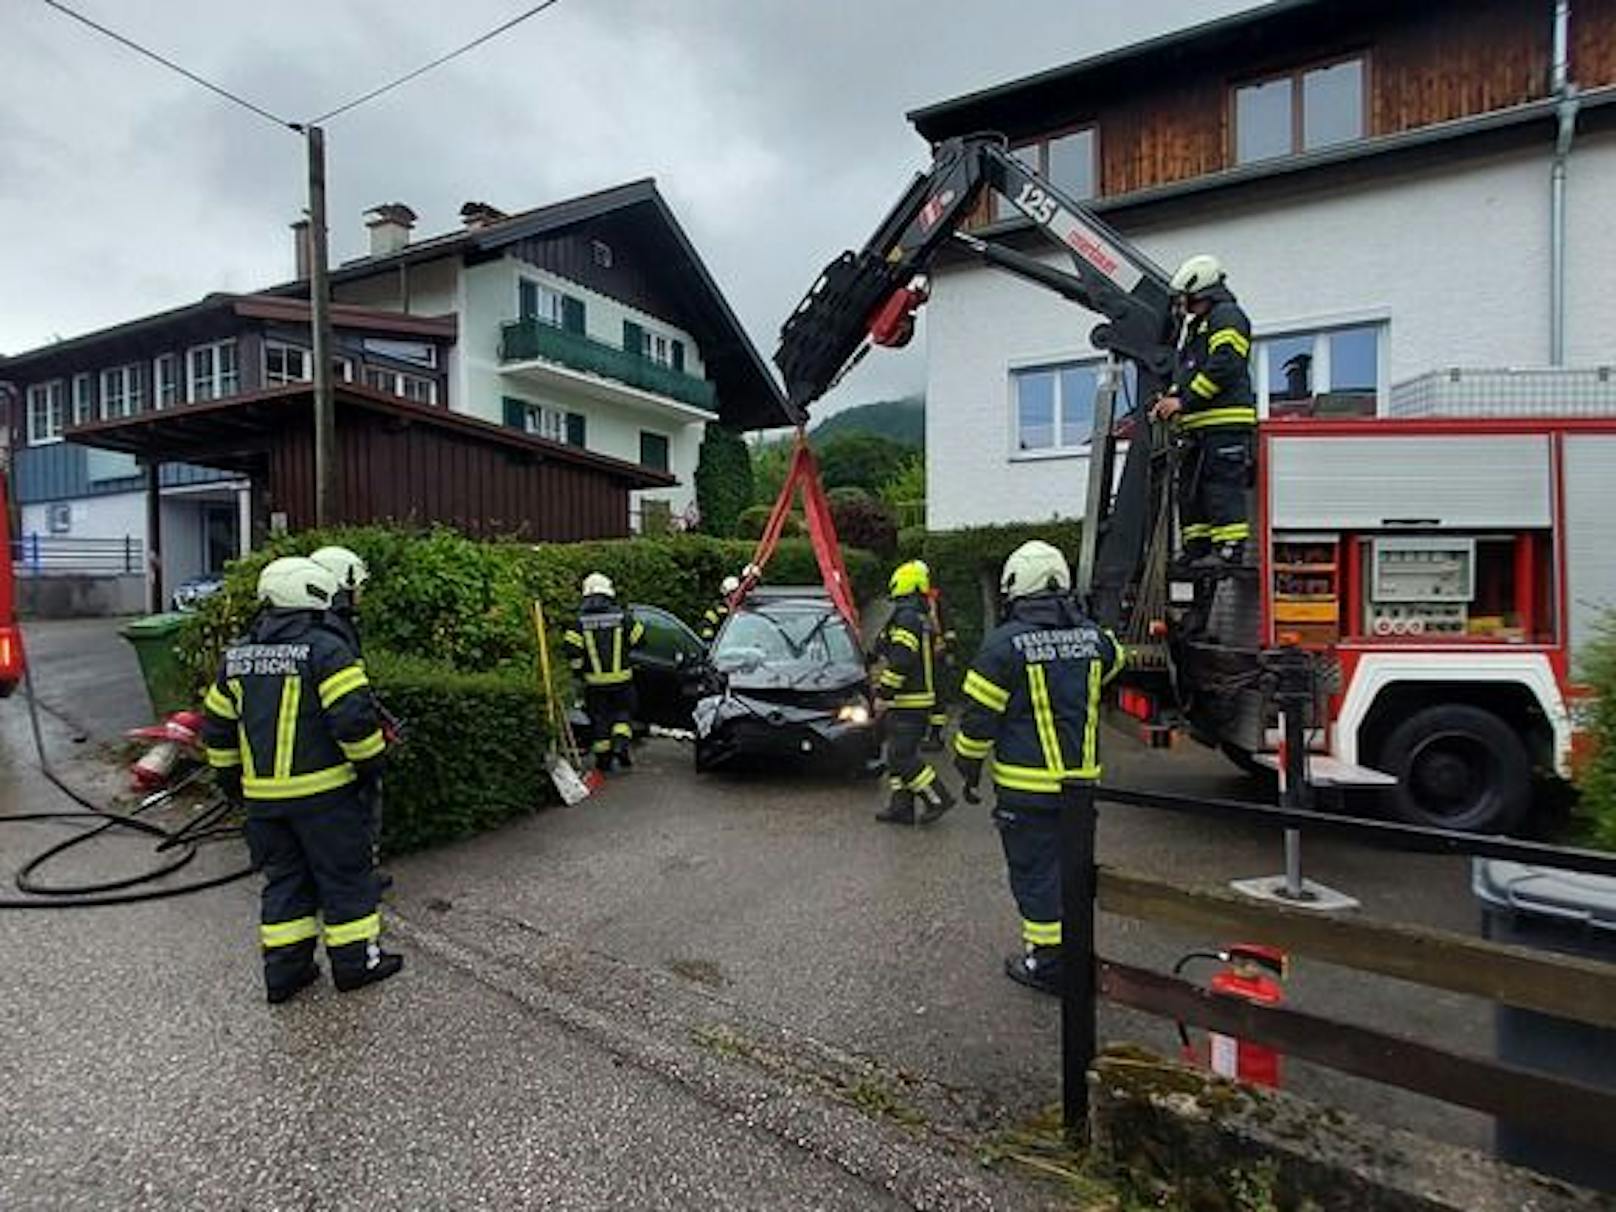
column 1456, row 259
column 109, row 517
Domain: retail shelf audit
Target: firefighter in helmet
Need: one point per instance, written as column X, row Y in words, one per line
column 1032, row 702
column 598, row 649
column 715, row 614
column 292, row 728
column 906, row 693
column 1212, row 406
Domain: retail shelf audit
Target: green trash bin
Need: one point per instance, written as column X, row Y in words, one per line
column 168, row 682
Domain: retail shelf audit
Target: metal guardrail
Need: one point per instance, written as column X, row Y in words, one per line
column 36, row 555
column 524, row 340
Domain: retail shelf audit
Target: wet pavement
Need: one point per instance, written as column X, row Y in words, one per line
column 660, row 998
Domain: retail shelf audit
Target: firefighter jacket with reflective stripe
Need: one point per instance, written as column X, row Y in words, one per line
column 909, row 651
column 1032, row 696
column 598, row 647
column 292, row 711
column 1214, row 367
column 712, row 620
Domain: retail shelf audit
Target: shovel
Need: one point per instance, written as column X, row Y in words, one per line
column 563, row 760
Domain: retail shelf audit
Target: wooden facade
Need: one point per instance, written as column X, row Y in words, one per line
column 1164, row 112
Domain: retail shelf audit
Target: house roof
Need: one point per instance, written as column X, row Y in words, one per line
column 1043, row 93
column 749, row 397
column 230, row 433
column 261, row 307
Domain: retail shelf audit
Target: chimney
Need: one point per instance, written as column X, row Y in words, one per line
column 390, row 225
column 480, row 214
column 301, row 258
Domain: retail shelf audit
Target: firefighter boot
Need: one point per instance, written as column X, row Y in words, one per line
column 603, row 760
column 355, row 965
column 934, row 738
column 289, row 970
column 1038, row 968
column 623, row 751
column 900, row 809
column 938, row 799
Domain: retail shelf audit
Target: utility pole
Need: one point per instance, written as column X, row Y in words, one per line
column 325, row 410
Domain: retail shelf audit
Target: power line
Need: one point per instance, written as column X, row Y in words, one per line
column 172, row 66
column 438, row 62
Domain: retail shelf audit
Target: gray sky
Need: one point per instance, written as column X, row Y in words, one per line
column 775, row 129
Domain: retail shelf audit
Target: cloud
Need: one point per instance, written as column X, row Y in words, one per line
column 774, row 127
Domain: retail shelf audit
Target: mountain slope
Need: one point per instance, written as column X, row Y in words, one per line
column 901, row 420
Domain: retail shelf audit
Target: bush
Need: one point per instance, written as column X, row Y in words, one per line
column 860, row 460
column 1596, row 777
column 752, row 521
column 723, row 480
column 862, row 521
column 474, row 755
column 906, row 487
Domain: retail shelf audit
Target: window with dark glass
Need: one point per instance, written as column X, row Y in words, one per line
column 1299, row 111
column 653, row 450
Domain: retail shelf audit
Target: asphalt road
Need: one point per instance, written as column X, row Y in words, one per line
column 556, row 1037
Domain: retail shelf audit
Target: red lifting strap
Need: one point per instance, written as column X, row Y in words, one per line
column 804, row 471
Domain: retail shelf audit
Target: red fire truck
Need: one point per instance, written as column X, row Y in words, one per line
column 1443, row 570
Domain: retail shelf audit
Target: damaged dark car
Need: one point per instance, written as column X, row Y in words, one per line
column 787, row 678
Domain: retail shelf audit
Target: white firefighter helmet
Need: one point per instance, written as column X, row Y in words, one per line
column 296, row 583
column 351, row 571
column 729, row 585
column 1035, row 567
column 598, row 584
column 1198, row 274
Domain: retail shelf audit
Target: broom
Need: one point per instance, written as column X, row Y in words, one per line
column 563, row 760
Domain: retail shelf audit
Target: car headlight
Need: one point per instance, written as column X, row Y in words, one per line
column 853, row 713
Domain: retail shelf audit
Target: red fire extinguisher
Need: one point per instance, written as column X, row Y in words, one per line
column 1253, row 972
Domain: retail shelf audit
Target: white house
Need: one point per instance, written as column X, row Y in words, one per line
column 1376, row 177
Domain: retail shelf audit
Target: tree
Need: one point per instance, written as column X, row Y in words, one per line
column 770, row 462
column 905, row 492
column 861, row 460
column 723, row 480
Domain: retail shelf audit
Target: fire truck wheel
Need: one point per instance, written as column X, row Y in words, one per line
column 1458, row 767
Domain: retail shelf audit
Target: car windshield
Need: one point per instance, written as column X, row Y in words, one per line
column 763, row 636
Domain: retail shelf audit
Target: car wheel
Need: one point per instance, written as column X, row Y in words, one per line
column 706, row 757
column 1458, row 767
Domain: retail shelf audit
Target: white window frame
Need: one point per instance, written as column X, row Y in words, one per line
column 305, row 359
column 220, row 384
column 1013, row 406
column 551, row 309
column 397, row 379
column 122, row 393
column 83, row 398
column 166, row 394
column 543, row 421
column 50, row 401
column 342, row 367
column 1321, row 329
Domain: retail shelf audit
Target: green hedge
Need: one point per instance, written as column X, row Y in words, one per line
column 959, row 560
column 439, row 595
column 1596, row 779
column 474, row 754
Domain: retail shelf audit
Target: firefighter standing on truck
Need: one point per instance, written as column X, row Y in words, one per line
column 906, row 693
column 598, row 650
column 1032, row 714
column 292, row 728
column 1212, row 406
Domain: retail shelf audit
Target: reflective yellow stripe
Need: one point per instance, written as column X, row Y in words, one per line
column 921, row 698
column 1043, row 714
column 360, row 930
column 1032, row 778
column 621, row 729
column 594, row 652
column 1041, row 934
column 359, row 751
column 284, row 934
column 638, row 633
column 570, row 636
column 1091, row 726
column 234, row 687
column 1198, row 530
column 608, row 679
column 1232, row 337
column 901, row 635
column 891, row 677
column 223, row 759
column 1204, row 387
column 286, row 726
column 924, row 779
column 970, row 747
column 995, row 698
column 1122, row 656
column 219, row 703
column 297, row 786
column 617, row 649
column 940, row 718
column 1219, row 416
column 1234, row 532
column 343, row 681
column 604, row 745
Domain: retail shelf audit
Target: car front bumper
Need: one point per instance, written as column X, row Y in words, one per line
column 734, row 725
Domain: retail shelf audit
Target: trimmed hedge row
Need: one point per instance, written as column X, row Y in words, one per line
column 473, row 757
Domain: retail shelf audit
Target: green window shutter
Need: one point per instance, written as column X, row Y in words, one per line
column 572, row 314
column 633, row 338
column 577, row 429
column 679, row 356
column 515, row 412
